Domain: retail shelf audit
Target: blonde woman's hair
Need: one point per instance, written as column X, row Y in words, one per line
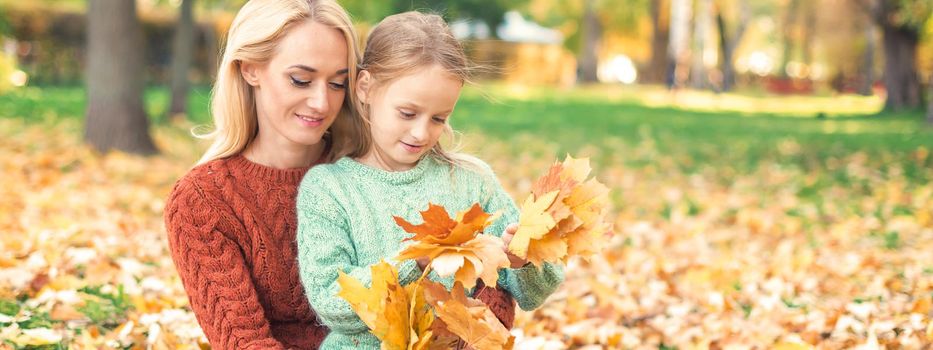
column 253, row 37
column 398, row 46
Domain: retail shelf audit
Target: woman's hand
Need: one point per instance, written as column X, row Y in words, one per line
column 515, row 261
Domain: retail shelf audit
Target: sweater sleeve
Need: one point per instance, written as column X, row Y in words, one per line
column 326, row 247
column 214, row 273
column 529, row 285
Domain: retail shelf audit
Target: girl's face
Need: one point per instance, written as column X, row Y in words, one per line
column 301, row 89
column 408, row 115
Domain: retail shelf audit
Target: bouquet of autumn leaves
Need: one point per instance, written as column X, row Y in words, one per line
column 562, row 217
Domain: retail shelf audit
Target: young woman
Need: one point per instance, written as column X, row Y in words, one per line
column 410, row 80
column 280, row 105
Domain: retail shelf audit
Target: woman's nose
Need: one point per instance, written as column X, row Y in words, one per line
column 317, row 97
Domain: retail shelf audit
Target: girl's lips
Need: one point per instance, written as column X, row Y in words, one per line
column 309, row 121
column 411, row 148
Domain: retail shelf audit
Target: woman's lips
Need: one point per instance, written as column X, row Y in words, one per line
column 309, row 121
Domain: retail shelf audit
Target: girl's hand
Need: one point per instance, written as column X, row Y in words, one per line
column 515, row 261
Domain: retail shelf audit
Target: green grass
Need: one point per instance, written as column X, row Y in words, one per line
column 51, row 103
column 635, row 125
column 623, row 127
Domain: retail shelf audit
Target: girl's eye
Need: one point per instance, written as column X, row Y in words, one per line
column 440, row 120
column 338, row 85
column 299, row 83
column 406, row 114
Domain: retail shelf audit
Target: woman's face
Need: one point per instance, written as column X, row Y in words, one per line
column 408, row 115
column 301, row 89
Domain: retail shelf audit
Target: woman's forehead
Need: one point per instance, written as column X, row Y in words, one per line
column 313, row 45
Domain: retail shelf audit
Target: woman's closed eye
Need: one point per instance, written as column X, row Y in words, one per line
column 334, row 85
column 439, row 120
column 298, row 82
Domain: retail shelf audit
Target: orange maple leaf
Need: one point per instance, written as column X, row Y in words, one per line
column 436, row 222
column 459, row 250
column 467, row 318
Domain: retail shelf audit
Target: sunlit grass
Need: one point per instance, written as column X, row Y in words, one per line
column 745, row 103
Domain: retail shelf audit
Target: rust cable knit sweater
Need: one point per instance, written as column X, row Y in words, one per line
column 231, row 228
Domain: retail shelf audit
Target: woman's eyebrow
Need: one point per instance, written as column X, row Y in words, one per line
column 313, row 70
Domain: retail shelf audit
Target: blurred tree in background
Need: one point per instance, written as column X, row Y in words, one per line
column 902, row 23
column 182, row 55
column 115, row 78
column 777, row 46
column 732, row 18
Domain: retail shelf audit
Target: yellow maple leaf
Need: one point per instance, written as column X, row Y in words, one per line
column 421, row 318
column 550, row 247
column 588, row 201
column 467, row 318
column 533, row 223
column 366, row 302
column 576, row 169
column 586, row 241
column 397, row 315
column 563, row 216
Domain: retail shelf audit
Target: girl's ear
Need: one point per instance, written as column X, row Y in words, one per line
column 364, row 83
column 250, row 73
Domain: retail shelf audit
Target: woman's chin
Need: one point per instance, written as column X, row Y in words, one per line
column 308, row 139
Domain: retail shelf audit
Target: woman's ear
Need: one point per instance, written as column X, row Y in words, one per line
column 250, row 73
column 364, row 83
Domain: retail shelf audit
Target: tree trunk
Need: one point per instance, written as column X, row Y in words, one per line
column 115, row 115
column 728, row 44
column 900, row 68
column 592, row 34
column 868, row 61
column 182, row 52
column 698, row 76
column 809, row 29
column 212, row 45
column 660, row 23
column 681, row 11
column 790, row 19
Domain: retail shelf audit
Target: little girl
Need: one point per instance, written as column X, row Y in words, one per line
column 410, row 80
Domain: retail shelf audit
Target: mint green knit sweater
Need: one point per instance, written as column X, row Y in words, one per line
column 345, row 223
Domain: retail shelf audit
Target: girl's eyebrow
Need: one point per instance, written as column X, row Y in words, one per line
column 417, row 106
column 313, row 70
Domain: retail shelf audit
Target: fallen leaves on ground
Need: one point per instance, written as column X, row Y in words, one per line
column 808, row 248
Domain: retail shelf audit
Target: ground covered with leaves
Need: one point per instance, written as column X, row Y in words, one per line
column 732, row 231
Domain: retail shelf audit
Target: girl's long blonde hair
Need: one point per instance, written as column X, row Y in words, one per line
column 253, row 37
column 399, row 45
